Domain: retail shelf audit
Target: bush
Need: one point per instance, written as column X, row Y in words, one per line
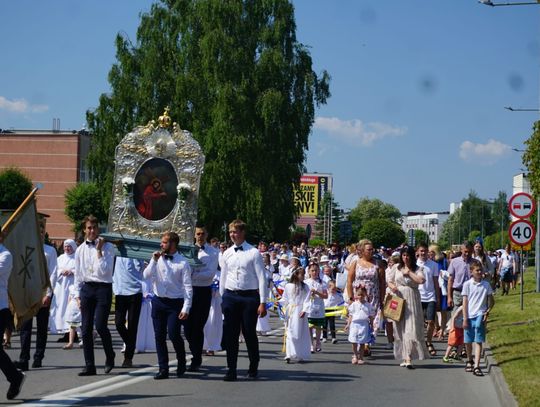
column 317, row 242
column 14, row 188
column 82, row 200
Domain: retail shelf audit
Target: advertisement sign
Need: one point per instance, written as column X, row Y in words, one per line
column 308, row 197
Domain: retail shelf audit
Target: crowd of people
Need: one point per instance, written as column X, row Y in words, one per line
column 225, row 300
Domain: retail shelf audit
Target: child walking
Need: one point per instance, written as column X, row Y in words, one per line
column 296, row 303
column 72, row 317
column 477, row 303
column 361, row 315
column 318, row 294
column 455, row 336
column 335, row 298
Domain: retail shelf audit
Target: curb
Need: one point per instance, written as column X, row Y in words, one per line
column 504, row 394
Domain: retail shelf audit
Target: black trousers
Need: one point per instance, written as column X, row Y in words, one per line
column 194, row 326
column 240, row 313
column 332, row 322
column 128, row 308
column 42, row 323
column 96, row 300
column 6, row 365
column 165, row 313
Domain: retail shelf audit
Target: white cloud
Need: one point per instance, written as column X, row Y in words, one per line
column 485, row 154
column 356, row 132
column 21, row 106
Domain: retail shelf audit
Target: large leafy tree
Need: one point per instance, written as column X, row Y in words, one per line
column 382, row 232
column 476, row 217
column 531, row 158
column 368, row 209
column 234, row 74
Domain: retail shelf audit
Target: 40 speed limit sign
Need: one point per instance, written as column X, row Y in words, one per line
column 521, row 232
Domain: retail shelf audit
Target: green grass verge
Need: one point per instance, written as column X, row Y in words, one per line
column 514, row 337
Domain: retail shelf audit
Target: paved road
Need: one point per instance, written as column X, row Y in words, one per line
column 328, row 379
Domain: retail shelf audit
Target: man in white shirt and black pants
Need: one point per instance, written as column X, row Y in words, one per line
column 171, row 279
column 94, row 263
column 243, row 287
column 202, row 279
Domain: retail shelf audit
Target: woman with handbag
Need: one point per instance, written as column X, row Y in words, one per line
column 404, row 280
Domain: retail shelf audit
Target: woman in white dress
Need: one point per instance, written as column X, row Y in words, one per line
column 65, row 269
column 296, row 301
column 213, row 330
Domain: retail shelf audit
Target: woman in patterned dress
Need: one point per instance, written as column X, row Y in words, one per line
column 366, row 272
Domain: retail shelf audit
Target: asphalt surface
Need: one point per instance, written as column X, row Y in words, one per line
column 328, row 379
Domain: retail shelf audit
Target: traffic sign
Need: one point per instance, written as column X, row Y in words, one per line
column 521, row 232
column 521, row 205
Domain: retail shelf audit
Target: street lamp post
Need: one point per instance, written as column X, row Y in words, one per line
column 521, row 3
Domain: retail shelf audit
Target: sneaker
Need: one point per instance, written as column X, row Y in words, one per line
column 334, row 341
column 324, row 340
column 15, row 387
column 447, row 360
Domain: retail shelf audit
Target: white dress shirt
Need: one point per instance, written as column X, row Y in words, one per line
column 243, row 270
column 171, row 278
column 6, row 264
column 52, row 264
column 204, row 275
column 90, row 268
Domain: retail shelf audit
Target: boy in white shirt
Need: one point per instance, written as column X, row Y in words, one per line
column 477, row 303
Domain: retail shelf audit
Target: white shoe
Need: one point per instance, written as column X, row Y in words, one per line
column 324, row 340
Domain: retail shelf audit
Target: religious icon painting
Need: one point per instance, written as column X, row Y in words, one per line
column 156, row 182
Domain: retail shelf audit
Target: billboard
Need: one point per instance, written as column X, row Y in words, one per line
column 308, row 197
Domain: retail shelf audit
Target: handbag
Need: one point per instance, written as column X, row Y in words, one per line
column 393, row 307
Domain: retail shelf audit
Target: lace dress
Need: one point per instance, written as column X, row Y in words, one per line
column 409, row 332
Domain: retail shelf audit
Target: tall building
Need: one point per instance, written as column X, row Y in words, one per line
column 54, row 158
column 431, row 223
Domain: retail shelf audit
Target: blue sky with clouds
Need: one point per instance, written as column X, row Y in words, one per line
column 416, row 116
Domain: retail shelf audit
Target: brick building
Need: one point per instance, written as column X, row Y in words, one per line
column 56, row 159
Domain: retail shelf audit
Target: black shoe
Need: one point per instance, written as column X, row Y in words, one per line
column 127, row 363
column 64, row 338
column 36, row 364
column 162, row 374
column 230, row 376
column 194, row 368
column 15, row 387
column 252, row 375
column 109, row 364
column 21, row 365
column 88, row 371
column 180, row 370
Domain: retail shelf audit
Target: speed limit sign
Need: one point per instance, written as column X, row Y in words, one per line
column 521, row 232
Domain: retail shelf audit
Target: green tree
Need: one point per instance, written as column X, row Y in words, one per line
column 14, row 187
column 82, row 200
column 368, row 209
column 496, row 241
column 421, row 237
column 329, row 218
column 382, row 232
column 235, row 75
column 475, row 214
column 500, row 213
column 531, row 158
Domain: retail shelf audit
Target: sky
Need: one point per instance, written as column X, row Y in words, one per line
column 419, row 87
